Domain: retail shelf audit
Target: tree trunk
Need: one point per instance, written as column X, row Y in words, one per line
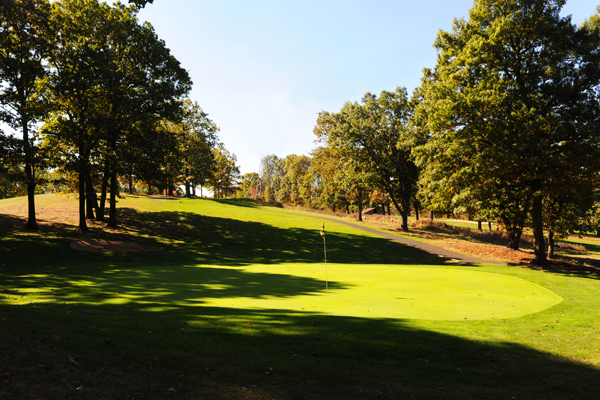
column 82, row 224
column 188, row 192
column 404, row 214
column 431, row 215
column 489, row 225
column 550, row 243
column 112, row 215
column 539, row 250
column 417, row 211
column 130, row 184
column 359, row 203
column 479, row 225
column 389, row 208
column 29, row 178
column 598, row 232
column 514, row 239
column 103, row 189
column 91, row 200
column 82, row 172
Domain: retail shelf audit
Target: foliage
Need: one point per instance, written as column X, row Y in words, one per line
column 249, row 185
column 297, row 182
column 226, row 174
column 25, row 42
column 370, row 148
column 510, row 107
column 113, row 82
column 271, row 172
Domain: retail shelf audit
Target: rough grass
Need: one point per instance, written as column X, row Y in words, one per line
column 141, row 325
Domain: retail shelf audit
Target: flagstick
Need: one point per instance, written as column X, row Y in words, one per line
column 325, row 251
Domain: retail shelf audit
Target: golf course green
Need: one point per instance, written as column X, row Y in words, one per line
column 366, row 291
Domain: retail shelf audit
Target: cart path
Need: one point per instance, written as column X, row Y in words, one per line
column 456, row 257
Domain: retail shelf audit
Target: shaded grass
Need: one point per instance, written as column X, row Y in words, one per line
column 141, row 347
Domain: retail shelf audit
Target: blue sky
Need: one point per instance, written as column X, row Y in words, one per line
column 263, row 69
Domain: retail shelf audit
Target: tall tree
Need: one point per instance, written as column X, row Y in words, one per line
column 113, row 81
column 510, row 105
column 80, row 63
column 199, row 136
column 377, row 138
column 249, row 185
column 25, row 41
column 342, row 161
column 226, row 173
column 271, row 171
column 295, row 184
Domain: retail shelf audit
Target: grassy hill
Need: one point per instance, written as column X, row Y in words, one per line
column 233, row 305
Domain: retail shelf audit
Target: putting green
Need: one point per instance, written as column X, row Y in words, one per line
column 384, row 291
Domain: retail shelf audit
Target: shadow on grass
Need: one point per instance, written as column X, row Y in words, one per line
column 219, row 353
column 150, row 278
column 250, row 203
column 234, row 242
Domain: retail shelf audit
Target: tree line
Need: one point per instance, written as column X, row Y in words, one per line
column 506, row 128
column 100, row 102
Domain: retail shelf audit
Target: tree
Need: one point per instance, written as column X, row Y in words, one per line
column 509, row 106
column 226, row 174
column 377, row 142
column 271, row 171
column 249, row 185
column 296, row 183
column 351, row 175
column 113, row 82
column 141, row 3
column 199, row 138
column 25, row 41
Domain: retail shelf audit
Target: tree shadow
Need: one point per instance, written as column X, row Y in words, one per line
column 221, row 353
column 168, row 281
column 248, row 203
column 233, row 242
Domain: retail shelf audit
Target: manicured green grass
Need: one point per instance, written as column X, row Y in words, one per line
column 236, row 308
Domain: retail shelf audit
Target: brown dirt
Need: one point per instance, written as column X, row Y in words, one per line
column 59, row 213
column 486, row 251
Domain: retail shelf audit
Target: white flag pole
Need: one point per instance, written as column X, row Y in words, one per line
column 325, row 251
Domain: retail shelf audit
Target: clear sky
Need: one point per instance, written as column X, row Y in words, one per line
column 263, row 69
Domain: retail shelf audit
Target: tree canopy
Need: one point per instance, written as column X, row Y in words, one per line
column 511, row 106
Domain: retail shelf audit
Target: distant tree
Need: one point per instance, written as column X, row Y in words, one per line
column 271, row 171
column 341, row 161
column 198, row 139
column 295, row 185
column 226, row 173
column 249, row 185
column 379, row 129
column 25, row 41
